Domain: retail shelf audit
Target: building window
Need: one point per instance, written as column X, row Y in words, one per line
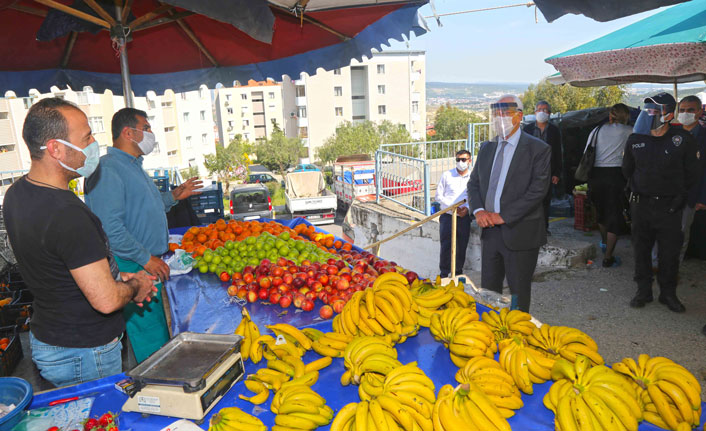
column 5, row 116
column 202, row 115
column 151, row 104
column 230, row 124
column 301, row 111
column 271, row 95
column 303, row 132
column 27, row 102
column 166, row 104
column 246, row 123
column 339, row 111
column 188, row 142
column 202, row 93
column 336, row 71
column 381, row 89
column 150, row 119
column 204, row 139
column 301, row 91
column 227, row 97
column 244, row 96
column 168, row 129
column 338, row 91
column 381, row 69
column 246, row 136
column 171, row 153
column 186, row 117
column 382, row 110
column 415, row 107
column 96, row 124
column 229, row 110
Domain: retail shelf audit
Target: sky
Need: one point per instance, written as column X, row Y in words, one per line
column 504, row 45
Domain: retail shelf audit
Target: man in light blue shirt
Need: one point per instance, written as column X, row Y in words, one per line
column 133, row 213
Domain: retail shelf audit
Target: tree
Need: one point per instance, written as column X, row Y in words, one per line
column 451, row 123
column 226, row 161
column 360, row 138
column 190, row 172
column 564, row 98
column 278, row 152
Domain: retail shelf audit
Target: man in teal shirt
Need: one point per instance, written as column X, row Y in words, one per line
column 133, row 213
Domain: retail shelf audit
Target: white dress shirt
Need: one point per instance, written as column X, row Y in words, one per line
column 509, row 152
column 452, row 188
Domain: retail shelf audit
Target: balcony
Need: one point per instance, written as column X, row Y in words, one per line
column 302, row 122
column 300, row 100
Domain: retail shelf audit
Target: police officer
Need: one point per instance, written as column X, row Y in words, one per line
column 660, row 164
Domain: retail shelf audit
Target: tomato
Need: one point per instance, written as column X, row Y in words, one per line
column 90, row 424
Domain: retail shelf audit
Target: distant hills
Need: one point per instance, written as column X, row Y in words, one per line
column 473, row 96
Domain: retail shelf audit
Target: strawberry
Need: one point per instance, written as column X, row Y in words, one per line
column 53, row 429
column 106, row 419
column 90, row 424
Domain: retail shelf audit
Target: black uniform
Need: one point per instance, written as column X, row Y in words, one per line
column 660, row 170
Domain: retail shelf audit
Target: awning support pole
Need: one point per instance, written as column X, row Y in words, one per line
column 118, row 33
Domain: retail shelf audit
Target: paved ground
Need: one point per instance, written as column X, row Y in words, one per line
column 594, row 300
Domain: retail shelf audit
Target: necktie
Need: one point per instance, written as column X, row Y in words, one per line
column 495, row 178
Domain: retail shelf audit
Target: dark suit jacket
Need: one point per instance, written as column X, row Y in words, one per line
column 525, row 187
column 554, row 140
column 697, row 193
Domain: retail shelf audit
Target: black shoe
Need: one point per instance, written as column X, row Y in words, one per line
column 703, row 330
column 640, row 300
column 673, row 303
column 607, row 263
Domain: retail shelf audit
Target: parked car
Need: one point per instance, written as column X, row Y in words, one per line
column 250, row 202
column 260, row 178
column 304, row 167
column 259, row 169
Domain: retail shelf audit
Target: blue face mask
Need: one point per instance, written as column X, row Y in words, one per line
column 92, row 153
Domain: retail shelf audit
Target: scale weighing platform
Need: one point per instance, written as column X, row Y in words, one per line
column 186, row 377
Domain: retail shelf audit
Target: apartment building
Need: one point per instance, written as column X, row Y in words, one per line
column 182, row 124
column 248, row 110
column 388, row 86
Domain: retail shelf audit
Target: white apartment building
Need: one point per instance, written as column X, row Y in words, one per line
column 388, row 86
column 248, row 110
column 182, row 124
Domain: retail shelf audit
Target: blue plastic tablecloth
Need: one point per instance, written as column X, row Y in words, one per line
column 199, row 303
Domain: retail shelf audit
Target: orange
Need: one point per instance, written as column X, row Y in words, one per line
column 193, row 230
column 173, row 246
column 188, row 236
column 201, row 237
column 200, row 250
column 347, row 246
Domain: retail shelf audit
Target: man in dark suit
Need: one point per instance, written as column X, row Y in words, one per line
column 507, row 186
column 550, row 134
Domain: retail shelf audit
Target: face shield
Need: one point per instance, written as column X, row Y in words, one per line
column 505, row 118
column 652, row 117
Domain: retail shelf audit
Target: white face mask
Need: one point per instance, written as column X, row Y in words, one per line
column 503, row 126
column 542, row 117
column 147, row 143
column 461, row 166
column 686, row 118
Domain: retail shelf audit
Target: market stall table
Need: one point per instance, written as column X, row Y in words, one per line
column 199, row 303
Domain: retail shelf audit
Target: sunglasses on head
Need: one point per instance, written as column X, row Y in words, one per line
column 461, row 159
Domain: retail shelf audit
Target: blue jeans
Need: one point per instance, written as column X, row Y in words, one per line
column 63, row 366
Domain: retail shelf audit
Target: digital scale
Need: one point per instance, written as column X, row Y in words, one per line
column 186, row 377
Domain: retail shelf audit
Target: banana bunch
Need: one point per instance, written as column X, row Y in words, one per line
column 293, row 335
column 506, row 323
column 670, row 394
column 297, row 406
column 262, row 392
column 586, row 397
column 464, row 335
column 368, row 355
column 387, row 307
column 234, row 419
column 249, row 331
column 331, row 344
column 271, row 379
column 466, row 408
column 565, row 342
column 432, row 297
column 496, row 383
column 526, row 365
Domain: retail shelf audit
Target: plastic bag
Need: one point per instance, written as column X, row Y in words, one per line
column 180, row 262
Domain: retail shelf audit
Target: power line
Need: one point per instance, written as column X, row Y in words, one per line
column 529, row 4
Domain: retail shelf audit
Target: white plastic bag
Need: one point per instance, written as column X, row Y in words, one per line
column 180, row 262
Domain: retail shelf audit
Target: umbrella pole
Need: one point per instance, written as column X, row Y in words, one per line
column 124, row 66
column 676, row 97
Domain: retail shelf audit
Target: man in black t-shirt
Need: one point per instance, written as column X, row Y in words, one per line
column 63, row 253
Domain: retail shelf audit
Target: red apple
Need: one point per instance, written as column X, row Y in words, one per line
column 265, row 282
column 248, row 277
column 281, row 261
column 342, row 284
column 248, row 269
column 411, row 276
column 285, row 301
column 240, row 283
column 242, row 292
column 331, row 261
column 293, row 269
column 298, row 283
column 263, row 293
column 310, row 281
column 277, row 271
column 307, row 305
column 317, row 286
column 232, row 290
column 284, row 288
column 323, row 278
column 252, row 296
column 237, row 276
column 304, row 289
column 276, row 281
column 326, row 312
column 347, row 276
column 298, row 300
column 310, row 295
column 275, row 297
column 306, row 262
column 338, row 306
column 356, row 278
column 288, row 278
column 332, row 269
column 340, row 264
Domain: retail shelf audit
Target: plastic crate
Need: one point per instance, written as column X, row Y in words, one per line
column 17, row 314
column 208, row 205
column 162, row 183
column 10, row 357
column 584, row 213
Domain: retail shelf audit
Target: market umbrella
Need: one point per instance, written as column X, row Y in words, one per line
column 181, row 44
column 600, row 10
column 668, row 47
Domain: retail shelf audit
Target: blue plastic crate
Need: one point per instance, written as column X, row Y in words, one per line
column 162, row 183
column 208, row 205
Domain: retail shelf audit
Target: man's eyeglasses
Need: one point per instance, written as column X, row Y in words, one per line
column 461, row 159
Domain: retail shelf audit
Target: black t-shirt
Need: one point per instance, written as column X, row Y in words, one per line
column 664, row 165
column 52, row 231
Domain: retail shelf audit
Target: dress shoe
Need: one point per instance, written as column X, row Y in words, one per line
column 640, row 300
column 673, row 303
